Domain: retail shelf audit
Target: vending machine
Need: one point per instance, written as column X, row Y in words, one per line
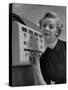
column 30, row 40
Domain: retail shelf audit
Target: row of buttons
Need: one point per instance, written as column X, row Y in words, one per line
column 31, row 32
column 25, row 43
column 25, row 35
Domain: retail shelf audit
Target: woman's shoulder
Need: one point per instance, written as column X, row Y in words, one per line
column 62, row 44
column 62, row 41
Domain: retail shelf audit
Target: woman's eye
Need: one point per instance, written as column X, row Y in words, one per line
column 44, row 25
column 51, row 27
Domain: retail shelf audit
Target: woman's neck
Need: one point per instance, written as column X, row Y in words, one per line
column 52, row 44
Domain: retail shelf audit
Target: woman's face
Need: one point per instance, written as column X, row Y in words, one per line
column 49, row 29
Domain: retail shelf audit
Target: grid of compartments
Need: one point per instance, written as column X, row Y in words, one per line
column 30, row 40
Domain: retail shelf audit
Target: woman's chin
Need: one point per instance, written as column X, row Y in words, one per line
column 46, row 37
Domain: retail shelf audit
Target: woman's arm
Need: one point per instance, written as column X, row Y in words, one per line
column 36, row 69
column 38, row 76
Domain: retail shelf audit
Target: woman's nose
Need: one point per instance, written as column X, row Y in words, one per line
column 47, row 28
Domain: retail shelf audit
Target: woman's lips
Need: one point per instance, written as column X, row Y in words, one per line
column 46, row 33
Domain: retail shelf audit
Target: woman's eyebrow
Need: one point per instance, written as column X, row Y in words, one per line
column 44, row 23
column 52, row 24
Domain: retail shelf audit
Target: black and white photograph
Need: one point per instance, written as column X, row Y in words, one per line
column 37, row 44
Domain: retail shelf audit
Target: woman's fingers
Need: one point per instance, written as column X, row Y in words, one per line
column 34, row 57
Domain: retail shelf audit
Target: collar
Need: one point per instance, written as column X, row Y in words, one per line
column 52, row 45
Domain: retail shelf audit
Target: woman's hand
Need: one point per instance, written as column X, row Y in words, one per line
column 34, row 60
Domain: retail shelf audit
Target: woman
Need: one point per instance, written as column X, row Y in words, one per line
column 51, row 66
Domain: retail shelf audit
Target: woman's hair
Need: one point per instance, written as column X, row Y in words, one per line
column 54, row 16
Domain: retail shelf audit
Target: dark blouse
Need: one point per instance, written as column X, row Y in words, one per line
column 53, row 63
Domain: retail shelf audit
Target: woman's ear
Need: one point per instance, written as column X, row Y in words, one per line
column 57, row 33
column 59, row 29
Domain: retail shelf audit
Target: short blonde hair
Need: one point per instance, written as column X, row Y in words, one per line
column 54, row 16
